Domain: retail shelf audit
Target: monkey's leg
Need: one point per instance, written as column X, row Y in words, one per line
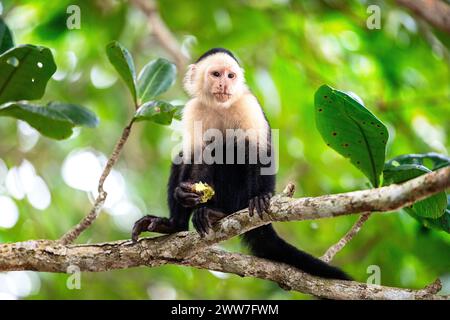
column 204, row 218
column 259, row 195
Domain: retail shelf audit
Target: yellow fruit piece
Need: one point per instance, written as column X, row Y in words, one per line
column 204, row 190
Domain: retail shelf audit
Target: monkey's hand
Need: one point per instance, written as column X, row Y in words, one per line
column 152, row 224
column 204, row 218
column 185, row 195
column 261, row 203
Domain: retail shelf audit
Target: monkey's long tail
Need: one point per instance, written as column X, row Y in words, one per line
column 265, row 243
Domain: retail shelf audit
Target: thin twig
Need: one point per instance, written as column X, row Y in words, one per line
column 334, row 249
column 74, row 233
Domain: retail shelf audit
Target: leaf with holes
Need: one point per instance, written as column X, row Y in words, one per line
column 24, row 73
column 155, row 78
column 56, row 120
column 122, row 61
column 6, row 38
column 352, row 130
column 431, row 160
column 156, row 111
column 432, row 207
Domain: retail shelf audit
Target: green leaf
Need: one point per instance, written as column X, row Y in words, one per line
column 178, row 112
column 353, row 131
column 431, row 207
column 160, row 112
column 122, row 61
column 6, row 38
column 441, row 223
column 431, row 160
column 155, row 78
column 24, row 73
column 56, row 120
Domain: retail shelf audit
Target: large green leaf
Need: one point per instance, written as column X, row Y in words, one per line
column 432, row 207
column 352, row 130
column 6, row 38
column 122, row 61
column 24, row 73
column 56, row 120
column 155, row 78
column 431, row 160
column 156, row 111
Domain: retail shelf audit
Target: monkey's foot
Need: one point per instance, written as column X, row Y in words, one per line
column 152, row 224
column 261, row 203
column 185, row 196
column 204, row 218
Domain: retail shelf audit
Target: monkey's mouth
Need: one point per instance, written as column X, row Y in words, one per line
column 222, row 96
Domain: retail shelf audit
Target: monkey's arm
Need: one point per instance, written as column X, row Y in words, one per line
column 181, row 201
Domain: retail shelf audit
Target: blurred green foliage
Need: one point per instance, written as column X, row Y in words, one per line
column 288, row 49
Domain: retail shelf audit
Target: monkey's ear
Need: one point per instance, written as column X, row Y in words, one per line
column 189, row 80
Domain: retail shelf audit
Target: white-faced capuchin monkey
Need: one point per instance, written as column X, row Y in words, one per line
column 221, row 103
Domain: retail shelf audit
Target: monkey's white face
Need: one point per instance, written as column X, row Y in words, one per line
column 220, row 82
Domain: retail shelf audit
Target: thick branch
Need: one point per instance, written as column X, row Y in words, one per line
column 187, row 248
column 49, row 257
column 436, row 12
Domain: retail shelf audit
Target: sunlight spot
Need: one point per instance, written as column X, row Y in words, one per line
column 223, row 20
column 102, row 78
column 38, row 194
column 269, row 91
column 186, row 46
column 13, row 184
column 125, row 215
column 59, row 75
column 361, row 65
column 433, row 135
column 161, row 291
column 296, row 148
column 23, row 283
column 220, row 275
column 349, row 40
column 331, row 48
column 28, row 136
column 81, row 170
column 9, row 212
column 3, row 173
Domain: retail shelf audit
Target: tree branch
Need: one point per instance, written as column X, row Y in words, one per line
column 338, row 246
column 436, row 12
column 160, row 30
column 50, row 257
column 188, row 248
column 74, row 233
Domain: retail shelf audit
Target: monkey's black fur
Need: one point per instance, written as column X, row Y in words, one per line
column 236, row 186
column 214, row 51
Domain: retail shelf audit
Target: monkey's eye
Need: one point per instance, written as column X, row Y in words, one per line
column 216, row 74
column 231, row 75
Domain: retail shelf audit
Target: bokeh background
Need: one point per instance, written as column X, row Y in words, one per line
column 288, row 48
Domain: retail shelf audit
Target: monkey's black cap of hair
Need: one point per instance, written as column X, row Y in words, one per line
column 212, row 51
